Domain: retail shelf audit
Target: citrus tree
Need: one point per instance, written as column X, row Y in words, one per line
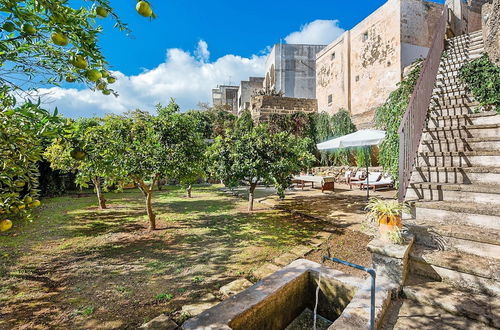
column 23, row 128
column 253, row 155
column 51, row 41
column 147, row 148
column 85, row 153
column 43, row 42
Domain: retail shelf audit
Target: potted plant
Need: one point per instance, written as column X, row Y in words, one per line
column 387, row 213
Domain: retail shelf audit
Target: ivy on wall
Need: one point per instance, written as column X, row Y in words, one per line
column 482, row 77
column 388, row 118
column 318, row 127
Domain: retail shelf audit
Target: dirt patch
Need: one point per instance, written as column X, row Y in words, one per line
column 347, row 245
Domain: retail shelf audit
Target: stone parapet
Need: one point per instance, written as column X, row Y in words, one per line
column 263, row 106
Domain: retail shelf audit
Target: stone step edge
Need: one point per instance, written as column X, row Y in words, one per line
column 488, row 113
column 458, row 153
column 439, row 258
column 477, row 188
column 463, row 232
column 466, row 127
column 478, row 208
column 472, row 169
column 463, row 140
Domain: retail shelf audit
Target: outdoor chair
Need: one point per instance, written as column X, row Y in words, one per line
column 386, row 182
column 372, row 178
column 356, row 179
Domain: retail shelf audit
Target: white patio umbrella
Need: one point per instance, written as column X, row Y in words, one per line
column 362, row 138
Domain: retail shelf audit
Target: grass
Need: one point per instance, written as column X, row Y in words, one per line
column 74, row 255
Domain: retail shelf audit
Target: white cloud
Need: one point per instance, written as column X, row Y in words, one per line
column 318, row 32
column 189, row 78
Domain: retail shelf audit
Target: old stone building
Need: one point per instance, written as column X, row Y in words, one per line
column 263, row 106
column 291, row 69
column 226, row 96
column 359, row 69
column 246, row 90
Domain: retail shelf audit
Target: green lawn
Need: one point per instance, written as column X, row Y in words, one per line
column 76, row 266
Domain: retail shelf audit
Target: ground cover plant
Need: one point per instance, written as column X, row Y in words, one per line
column 78, row 266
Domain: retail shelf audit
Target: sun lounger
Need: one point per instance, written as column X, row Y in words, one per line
column 372, row 178
column 357, row 178
column 386, row 182
column 326, row 182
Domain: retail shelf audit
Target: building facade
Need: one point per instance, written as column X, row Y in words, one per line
column 246, row 90
column 291, row 69
column 226, row 96
column 358, row 71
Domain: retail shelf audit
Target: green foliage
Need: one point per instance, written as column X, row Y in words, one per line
column 388, row 118
column 34, row 53
column 97, row 165
column 258, row 156
column 23, row 128
column 363, row 156
column 482, row 77
column 332, row 126
column 164, row 297
column 378, row 207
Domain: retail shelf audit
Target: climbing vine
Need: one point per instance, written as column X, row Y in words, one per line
column 388, row 117
column 482, row 77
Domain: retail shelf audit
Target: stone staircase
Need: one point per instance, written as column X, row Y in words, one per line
column 455, row 194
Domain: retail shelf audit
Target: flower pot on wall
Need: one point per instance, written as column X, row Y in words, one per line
column 387, row 224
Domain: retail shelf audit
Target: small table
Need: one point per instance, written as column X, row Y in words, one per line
column 326, row 182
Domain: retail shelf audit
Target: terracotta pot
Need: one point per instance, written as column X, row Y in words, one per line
column 386, row 224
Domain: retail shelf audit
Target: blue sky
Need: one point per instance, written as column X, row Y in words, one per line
column 194, row 45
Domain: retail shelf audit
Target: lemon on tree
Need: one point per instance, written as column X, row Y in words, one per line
column 8, row 26
column 111, row 80
column 144, row 9
column 101, row 12
column 78, row 154
column 106, row 92
column 28, row 29
column 19, row 183
column 28, row 199
column 35, row 203
column 70, row 79
column 5, row 225
column 80, row 62
column 60, row 39
column 101, row 85
column 94, row 75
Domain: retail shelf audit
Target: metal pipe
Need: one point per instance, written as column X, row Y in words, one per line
column 373, row 275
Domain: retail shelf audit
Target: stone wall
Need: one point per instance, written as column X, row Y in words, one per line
column 362, row 67
column 491, row 28
column 262, row 106
column 292, row 70
column 227, row 96
column 246, row 90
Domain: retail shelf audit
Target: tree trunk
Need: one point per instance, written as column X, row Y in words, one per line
column 251, row 196
column 148, row 194
column 188, row 190
column 100, row 196
column 149, row 207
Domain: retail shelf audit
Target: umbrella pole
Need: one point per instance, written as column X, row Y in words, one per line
column 367, row 176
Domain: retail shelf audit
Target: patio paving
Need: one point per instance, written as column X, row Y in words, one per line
column 344, row 208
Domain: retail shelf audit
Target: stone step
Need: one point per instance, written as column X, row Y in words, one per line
column 460, row 57
column 461, row 144
column 410, row 314
column 459, row 159
column 464, row 270
column 456, row 110
column 480, row 118
column 449, row 84
column 439, row 93
column 483, row 242
column 472, row 305
column 459, row 213
column 469, row 46
column 465, row 37
column 464, row 131
column 459, row 175
column 468, row 193
column 452, row 101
